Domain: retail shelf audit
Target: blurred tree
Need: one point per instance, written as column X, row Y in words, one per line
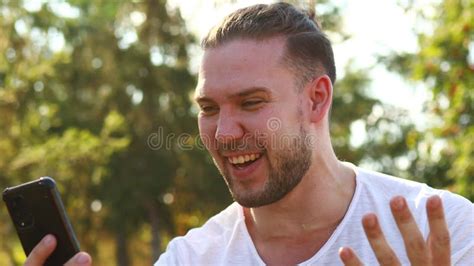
column 35, row 139
column 89, row 90
column 445, row 65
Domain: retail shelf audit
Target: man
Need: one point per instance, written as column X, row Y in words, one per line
column 265, row 89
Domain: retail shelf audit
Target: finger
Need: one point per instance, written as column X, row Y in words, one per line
column 81, row 258
column 348, row 257
column 415, row 245
column 439, row 240
column 41, row 252
column 384, row 253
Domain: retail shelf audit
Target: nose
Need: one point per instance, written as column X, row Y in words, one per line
column 228, row 128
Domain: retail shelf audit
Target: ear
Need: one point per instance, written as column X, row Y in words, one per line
column 320, row 95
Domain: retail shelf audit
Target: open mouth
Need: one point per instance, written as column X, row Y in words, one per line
column 243, row 161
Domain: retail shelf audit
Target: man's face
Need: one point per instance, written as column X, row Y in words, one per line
column 251, row 120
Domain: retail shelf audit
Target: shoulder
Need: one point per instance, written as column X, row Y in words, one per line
column 386, row 187
column 206, row 241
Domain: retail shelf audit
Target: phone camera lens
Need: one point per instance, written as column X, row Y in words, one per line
column 22, row 216
column 17, row 202
column 25, row 219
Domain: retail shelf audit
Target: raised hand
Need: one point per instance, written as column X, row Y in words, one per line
column 435, row 251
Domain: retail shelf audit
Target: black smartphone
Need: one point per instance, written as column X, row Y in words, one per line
column 36, row 210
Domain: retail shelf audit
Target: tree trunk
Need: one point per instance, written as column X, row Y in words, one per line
column 155, row 233
column 121, row 251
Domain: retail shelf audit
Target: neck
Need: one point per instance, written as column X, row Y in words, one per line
column 317, row 204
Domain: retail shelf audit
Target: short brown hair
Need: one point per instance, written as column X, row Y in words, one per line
column 307, row 47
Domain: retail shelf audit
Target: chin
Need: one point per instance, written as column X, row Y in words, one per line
column 255, row 199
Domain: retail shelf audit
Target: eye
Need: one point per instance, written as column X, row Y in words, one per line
column 209, row 109
column 252, row 103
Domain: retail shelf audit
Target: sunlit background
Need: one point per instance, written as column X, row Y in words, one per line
column 97, row 94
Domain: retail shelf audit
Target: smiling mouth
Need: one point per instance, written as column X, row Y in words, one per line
column 243, row 161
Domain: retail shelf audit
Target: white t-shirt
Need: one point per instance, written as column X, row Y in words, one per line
column 224, row 239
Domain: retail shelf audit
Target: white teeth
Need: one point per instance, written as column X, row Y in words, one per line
column 243, row 158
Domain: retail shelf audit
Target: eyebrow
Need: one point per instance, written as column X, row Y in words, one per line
column 250, row 91
column 240, row 94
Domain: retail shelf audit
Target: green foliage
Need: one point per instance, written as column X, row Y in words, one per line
column 83, row 113
column 445, row 65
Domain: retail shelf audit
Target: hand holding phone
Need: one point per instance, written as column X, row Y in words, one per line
column 43, row 250
column 36, row 210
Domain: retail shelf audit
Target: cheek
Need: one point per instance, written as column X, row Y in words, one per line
column 263, row 122
column 207, row 131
